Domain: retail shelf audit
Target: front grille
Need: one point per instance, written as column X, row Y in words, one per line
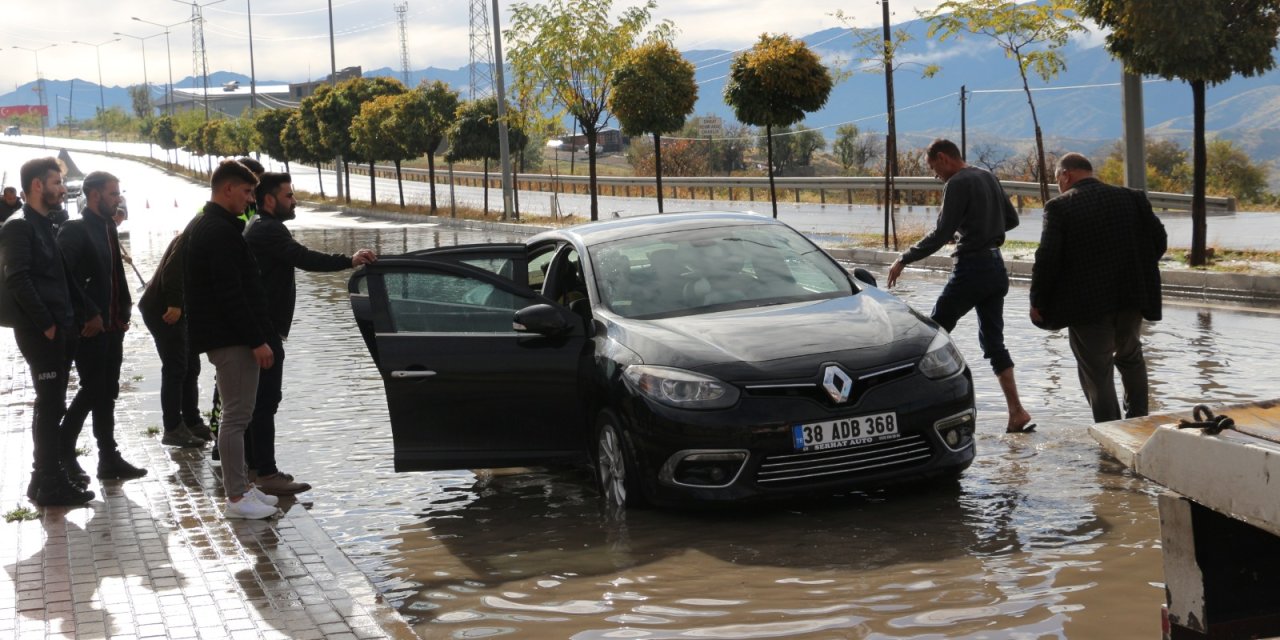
column 908, row 451
column 813, row 390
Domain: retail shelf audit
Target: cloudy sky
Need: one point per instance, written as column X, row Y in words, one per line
column 291, row 43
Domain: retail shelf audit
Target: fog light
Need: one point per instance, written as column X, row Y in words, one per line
column 704, row 468
column 956, row 431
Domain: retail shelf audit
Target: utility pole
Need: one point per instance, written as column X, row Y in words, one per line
column 333, row 77
column 402, row 11
column 40, row 85
column 891, row 140
column 504, row 144
column 253, row 76
column 1135, row 150
column 963, row 131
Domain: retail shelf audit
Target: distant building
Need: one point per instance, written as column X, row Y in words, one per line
column 231, row 99
column 300, row 90
column 610, row 140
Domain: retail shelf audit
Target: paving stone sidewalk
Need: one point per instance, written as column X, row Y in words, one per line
column 154, row 558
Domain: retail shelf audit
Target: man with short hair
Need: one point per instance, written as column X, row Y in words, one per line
column 45, row 308
column 91, row 247
column 278, row 255
column 975, row 214
column 1097, row 273
column 9, row 203
column 227, row 314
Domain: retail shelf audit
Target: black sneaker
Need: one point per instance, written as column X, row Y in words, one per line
column 179, row 436
column 201, row 430
column 55, row 491
column 74, row 472
column 111, row 466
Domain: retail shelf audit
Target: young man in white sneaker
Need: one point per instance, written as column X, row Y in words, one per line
column 227, row 311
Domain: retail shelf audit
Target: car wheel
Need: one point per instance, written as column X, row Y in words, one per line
column 615, row 471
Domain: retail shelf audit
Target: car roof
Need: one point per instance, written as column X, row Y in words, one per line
column 593, row 233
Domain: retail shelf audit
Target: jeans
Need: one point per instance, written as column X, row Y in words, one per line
column 179, row 372
column 260, row 447
column 50, row 365
column 1100, row 348
column 237, row 380
column 978, row 281
column 98, row 361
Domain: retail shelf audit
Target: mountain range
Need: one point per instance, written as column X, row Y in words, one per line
column 1080, row 109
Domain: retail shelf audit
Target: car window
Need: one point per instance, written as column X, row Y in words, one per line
column 708, row 270
column 438, row 302
column 504, row 267
column 539, row 261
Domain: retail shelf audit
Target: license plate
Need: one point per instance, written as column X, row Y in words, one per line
column 845, row 432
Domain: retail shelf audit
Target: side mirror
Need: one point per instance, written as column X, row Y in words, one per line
column 542, row 319
column 865, row 276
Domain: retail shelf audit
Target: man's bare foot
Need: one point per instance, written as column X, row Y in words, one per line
column 1020, row 422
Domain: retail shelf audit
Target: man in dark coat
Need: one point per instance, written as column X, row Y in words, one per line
column 278, row 255
column 91, row 247
column 227, row 315
column 1097, row 274
column 9, row 203
column 46, row 310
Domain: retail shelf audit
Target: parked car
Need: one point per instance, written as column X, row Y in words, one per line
column 12, row 130
column 714, row 357
column 75, row 190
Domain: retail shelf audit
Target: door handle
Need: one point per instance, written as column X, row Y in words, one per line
column 412, row 374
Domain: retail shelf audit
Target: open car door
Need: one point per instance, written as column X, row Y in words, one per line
column 464, row 388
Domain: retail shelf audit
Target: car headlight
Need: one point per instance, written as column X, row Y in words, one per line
column 942, row 359
column 679, row 388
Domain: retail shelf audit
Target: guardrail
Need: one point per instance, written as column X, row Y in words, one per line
column 733, row 188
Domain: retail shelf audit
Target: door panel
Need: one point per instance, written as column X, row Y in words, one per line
column 464, row 389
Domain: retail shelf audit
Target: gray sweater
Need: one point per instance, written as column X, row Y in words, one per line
column 975, row 214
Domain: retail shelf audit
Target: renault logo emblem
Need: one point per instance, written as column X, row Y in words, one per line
column 837, row 383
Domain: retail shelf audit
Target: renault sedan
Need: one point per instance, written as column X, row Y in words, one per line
column 701, row 357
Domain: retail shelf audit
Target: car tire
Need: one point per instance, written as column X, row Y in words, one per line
column 616, row 472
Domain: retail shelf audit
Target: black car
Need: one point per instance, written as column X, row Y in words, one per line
column 689, row 357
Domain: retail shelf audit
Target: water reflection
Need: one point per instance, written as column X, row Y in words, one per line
column 1041, row 537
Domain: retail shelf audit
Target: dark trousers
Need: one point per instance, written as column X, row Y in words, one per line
column 1102, row 347
column 50, row 365
column 260, row 439
column 98, row 361
column 179, row 372
column 978, row 281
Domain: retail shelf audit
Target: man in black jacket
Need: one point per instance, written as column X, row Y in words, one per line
column 45, row 308
column 975, row 214
column 278, row 254
column 1097, row 273
column 10, row 203
column 227, row 319
column 91, row 247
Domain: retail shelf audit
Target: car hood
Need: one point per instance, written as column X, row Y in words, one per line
column 871, row 327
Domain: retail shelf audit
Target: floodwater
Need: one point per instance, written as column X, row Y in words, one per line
column 1041, row 537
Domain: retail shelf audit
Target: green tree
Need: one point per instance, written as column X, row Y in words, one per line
column 653, row 92
column 113, row 120
column 1230, row 172
column 1031, row 34
column 140, row 99
column 793, row 147
column 165, row 133
column 773, row 85
column 300, row 141
column 474, row 136
column 853, row 149
column 1203, row 42
column 235, row 137
column 566, row 51
column 268, row 125
column 425, row 115
column 209, row 138
column 335, row 109
column 375, row 135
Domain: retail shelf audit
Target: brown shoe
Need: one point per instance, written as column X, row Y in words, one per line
column 281, row 484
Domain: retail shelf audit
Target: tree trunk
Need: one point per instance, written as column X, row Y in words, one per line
column 592, row 135
column 1043, row 178
column 1199, row 162
column 773, row 194
column 486, row 186
column 657, row 166
column 373, row 189
column 346, row 172
column 400, row 183
column 431, row 179
column 320, row 178
column 286, row 167
column 515, row 184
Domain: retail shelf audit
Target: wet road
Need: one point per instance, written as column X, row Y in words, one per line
column 1042, row 537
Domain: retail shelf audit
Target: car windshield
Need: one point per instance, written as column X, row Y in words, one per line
column 689, row 272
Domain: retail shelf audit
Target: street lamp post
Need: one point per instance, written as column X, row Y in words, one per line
column 146, row 83
column 169, row 53
column 102, row 100
column 39, row 83
column 555, row 176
